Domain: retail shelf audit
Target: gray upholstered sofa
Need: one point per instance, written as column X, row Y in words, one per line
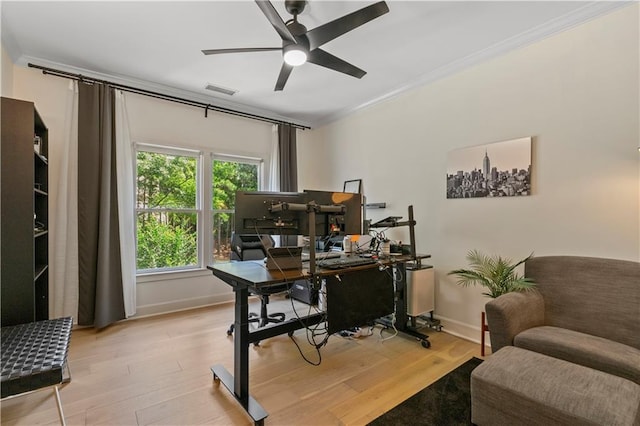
column 567, row 353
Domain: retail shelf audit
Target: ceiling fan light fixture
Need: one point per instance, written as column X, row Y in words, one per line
column 295, row 55
column 300, row 46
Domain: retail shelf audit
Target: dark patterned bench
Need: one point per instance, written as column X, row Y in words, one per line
column 34, row 356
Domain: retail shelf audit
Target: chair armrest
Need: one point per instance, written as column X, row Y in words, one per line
column 512, row 313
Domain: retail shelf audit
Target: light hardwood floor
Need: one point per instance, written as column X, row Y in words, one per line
column 157, row 371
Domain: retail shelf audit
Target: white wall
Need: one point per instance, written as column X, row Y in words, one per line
column 158, row 122
column 576, row 94
column 6, row 73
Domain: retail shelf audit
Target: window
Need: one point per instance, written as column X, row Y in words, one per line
column 185, row 203
column 168, row 217
column 229, row 175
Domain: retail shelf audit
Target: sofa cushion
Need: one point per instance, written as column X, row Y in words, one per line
column 584, row 349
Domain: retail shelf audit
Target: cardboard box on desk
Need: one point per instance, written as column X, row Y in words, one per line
column 281, row 258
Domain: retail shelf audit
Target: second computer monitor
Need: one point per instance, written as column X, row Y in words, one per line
column 349, row 223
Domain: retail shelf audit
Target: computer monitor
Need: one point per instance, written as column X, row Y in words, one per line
column 253, row 213
column 357, row 298
column 348, row 223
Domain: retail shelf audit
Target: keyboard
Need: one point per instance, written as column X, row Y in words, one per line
column 322, row 255
column 345, row 262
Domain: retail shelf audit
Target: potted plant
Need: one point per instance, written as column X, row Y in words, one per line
column 495, row 273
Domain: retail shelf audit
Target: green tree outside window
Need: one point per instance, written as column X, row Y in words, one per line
column 168, row 212
column 228, row 177
column 167, row 224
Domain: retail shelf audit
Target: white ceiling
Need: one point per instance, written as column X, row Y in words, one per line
column 157, row 46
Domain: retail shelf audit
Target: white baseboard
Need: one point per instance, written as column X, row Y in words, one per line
column 451, row 326
column 462, row 330
column 180, row 305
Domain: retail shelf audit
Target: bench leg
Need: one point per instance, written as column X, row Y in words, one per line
column 59, row 403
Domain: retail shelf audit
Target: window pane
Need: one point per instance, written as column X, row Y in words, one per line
column 167, row 240
column 229, row 177
column 222, row 228
column 166, row 180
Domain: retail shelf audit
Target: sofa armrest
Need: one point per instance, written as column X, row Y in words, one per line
column 511, row 314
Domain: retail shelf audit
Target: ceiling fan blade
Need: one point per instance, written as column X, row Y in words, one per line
column 240, row 50
column 327, row 60
column 285, row 71
column 327, row 32
column 275, row 19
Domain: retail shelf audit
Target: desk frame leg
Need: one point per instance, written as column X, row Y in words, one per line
column 251, row 406
column 238, row 385
column 241, row 345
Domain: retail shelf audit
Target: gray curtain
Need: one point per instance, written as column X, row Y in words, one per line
column 101, row 300
column 287, row 154
column 288, row 166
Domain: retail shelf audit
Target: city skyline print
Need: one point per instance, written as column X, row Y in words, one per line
column 500, row 169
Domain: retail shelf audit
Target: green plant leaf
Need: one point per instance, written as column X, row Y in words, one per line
column 495, row 273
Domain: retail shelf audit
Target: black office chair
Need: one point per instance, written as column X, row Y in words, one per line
column 254, row 247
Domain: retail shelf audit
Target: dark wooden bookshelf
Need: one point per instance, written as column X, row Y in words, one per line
column 24, row 257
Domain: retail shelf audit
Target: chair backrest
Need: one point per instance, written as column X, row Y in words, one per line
column 250, row 246
column 591, row 295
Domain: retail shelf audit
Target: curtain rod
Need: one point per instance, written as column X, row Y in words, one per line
column 157, row 95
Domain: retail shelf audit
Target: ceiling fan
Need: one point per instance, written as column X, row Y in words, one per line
column 300, row 46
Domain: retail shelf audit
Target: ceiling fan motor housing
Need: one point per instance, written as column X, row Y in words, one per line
column 295, row 7
column 298, row 31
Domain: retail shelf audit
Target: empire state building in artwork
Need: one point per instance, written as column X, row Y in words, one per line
column 486, row 165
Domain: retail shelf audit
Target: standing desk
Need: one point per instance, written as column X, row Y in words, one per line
column 242, row 276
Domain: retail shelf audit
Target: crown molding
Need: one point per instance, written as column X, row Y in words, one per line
column 579, row 16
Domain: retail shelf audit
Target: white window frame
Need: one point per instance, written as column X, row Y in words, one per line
column 200, row 223
column 204, row 201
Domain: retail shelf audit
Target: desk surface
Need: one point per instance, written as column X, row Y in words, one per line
column 256, row 273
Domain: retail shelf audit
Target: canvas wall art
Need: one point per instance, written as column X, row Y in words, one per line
column 501, row 169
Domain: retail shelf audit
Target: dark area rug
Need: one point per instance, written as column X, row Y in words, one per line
column 445, row 402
